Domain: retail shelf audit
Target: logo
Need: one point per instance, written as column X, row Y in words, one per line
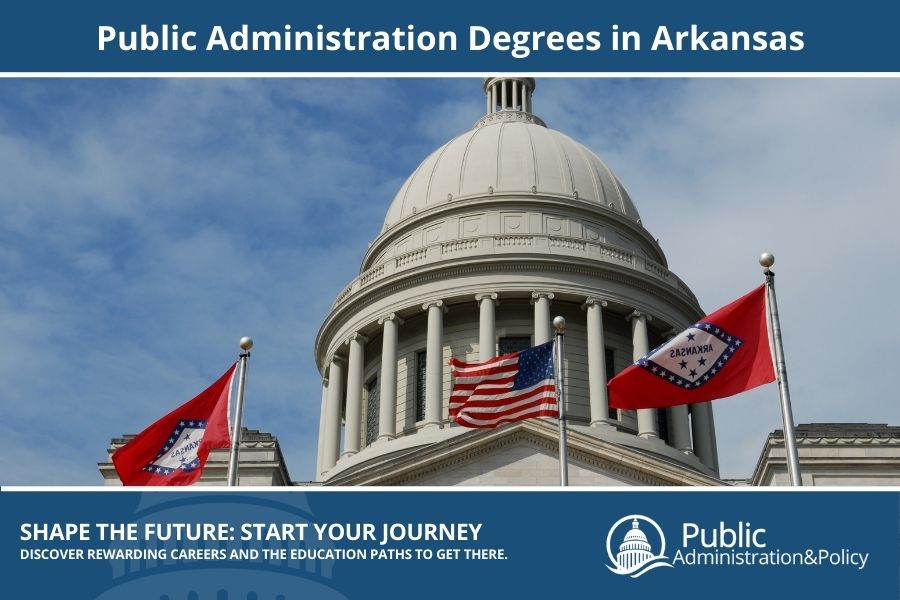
column 693, row 357
column 635, row 555
column 180, row 450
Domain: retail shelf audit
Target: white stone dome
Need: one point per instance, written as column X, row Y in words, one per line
column 510, row 152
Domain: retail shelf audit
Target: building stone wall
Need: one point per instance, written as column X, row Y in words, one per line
column 521, row 465
column 835, row 454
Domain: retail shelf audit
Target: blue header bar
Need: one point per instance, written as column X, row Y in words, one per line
column 766, row 36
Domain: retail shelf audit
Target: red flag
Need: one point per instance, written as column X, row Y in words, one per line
column 173, row 451
column 725, row 353
column 504, row 389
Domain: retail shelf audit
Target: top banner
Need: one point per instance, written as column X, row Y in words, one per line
column 107, row 36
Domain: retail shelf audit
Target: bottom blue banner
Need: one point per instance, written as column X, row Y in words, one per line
column 238, row 545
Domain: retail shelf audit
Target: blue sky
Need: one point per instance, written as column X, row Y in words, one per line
column 148, row 224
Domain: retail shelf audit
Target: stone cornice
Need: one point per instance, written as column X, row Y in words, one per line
column 824, row 435
column 558, row 247
column 509, row 116
column 413, row 278
column 503, row 201
column 606, row 457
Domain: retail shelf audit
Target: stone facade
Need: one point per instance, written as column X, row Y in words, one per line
column 837, row 454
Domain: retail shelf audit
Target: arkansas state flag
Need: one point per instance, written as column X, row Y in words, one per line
column 725, row 353
column 174, row 450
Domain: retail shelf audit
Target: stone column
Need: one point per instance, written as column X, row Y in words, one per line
column 322, row 426
column 434, row 363
column 515, row 95
column 704, row 431
column 542, row 323
column 679, row 427
column 353, row 413
column 487, row 326
column 596, row 346
column 647, row 425
column 387, row 410
column 332, row 447
column 503, row 87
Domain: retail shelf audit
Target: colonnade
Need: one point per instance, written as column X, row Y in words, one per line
column 699, row 439
column 508, row 94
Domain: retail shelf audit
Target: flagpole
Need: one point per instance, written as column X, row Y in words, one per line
column 246, row 344
column 559, row 323
column 766, row 259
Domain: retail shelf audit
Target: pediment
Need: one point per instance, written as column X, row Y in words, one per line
column 523, row 454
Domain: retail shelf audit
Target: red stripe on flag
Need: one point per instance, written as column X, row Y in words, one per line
column 543, row 406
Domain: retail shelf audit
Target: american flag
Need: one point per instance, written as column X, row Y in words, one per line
column 504, row 389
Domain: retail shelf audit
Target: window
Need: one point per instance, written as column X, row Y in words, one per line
column 610, row 358
column 372, row 408
column 420, row 385
column 514, row 344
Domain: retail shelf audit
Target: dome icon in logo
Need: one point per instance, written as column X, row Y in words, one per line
column 635, row 554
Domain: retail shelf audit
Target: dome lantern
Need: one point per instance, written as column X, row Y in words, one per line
column 509, row 99
column 508, row 93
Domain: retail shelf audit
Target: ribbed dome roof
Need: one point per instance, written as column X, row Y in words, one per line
column 508, row 154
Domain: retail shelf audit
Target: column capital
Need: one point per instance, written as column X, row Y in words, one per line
column 338, row 360
column 325, row 381
column 537, row 295
column 637, row 314
column 487, row 296
column 356, row 336
column 435, row 304
column 591, row 300
column 668, row 335
column 391, row 317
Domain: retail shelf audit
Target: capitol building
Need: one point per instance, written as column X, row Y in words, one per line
column 496, row 232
